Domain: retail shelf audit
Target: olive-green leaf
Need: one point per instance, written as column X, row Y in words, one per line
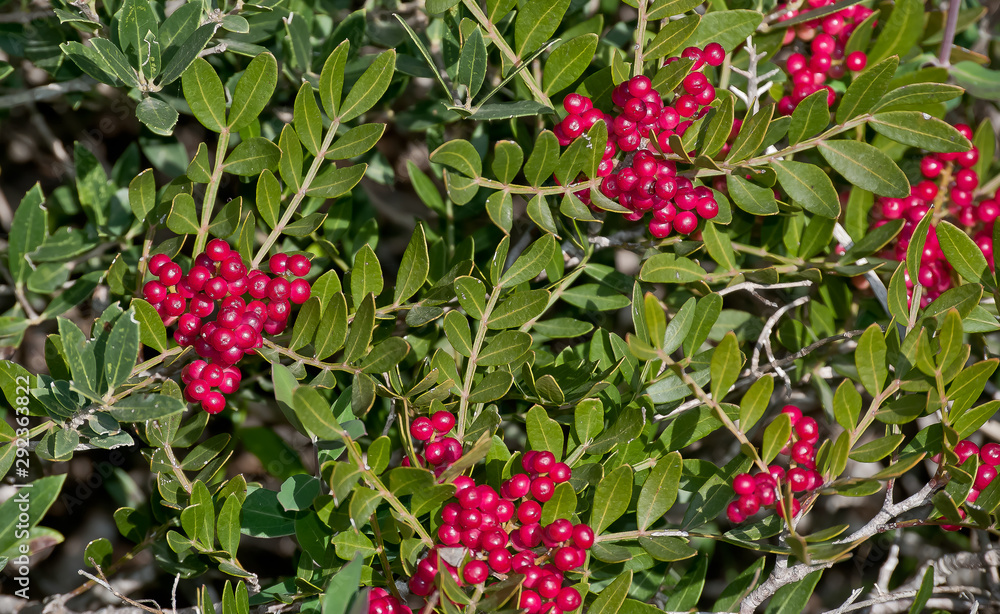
column 808, row 186
column 122, row 350
column 669, row 268
column 370, row 86
column 567, row 62
column 611, row 498
column 917, row 94
column 659, row 491
column 775, row 437
column 752, row 198
column 919, row 130
column 866, row 166
column 866, row 89
column 472, row 62
column 507, row 159
column 725, row 366
column 461, row 156
column 366, row 275
column 612, row 598
column 751, row 135
column 307, row 119
column 252, row 156
column 413, row 267
column 331, row 78
column 530, row 263
column 543, row 159
column 671, row 37
column 519, row 308
column 536, row 22
column 544, row 433
column 901, row 32
column 870, row 360
column 963, row 254
column 810, row 117
column 356, row 141
column 183, row 218
column 253, row 91
column 728, row 28
column 204, row 94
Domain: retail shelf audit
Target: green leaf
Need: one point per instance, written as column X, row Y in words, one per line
column 122, row 350
column 752, row 133
column 755, row 402
column 183, row 216
column 331, row 333
column 792, row 598
column 385, row 355
column 847, row 405
column 808, row 186
column 719, row 247
column 917, row 94
column 507, row 160
column 667, row 548
column 776, row 437
column 567, row 62
column 536, row 22
column 716, row 132
column 726, row 364
column 316, row 414
column 114, row 61
column 307, row 119
column 518, row 309
column 544, row 433
column 44, row 492
column 671, row 37
column 866, row 89
column 343, row 587
column 204, row 94
column 157, row 115
column 901, row 32
column 659, row 491
column 472, row 62
column 253, row 91
column 972, row 420
column 331, row 79
column 336, row 181
column 877, row 450
column 750, row 197
column 356, row 141
column 919, row 130
column 360, row 333
column 728, row 28
column 461, row 156
column 31, row 220
column 866, row 167
column 978, row 81
column 304, row 329
column 924, row 593
column 986, row 144
column 530, row 263
column 687, row 592
column 669, row 268
column 873, row 241
column 505, row 348
column 492, row 387
column 679, row 327
column 151, row 329
column 510, row 110
column 79, row 353
column 666, row 8
column 471, row 295
column 178, row 58
column 142, row 407
column 914, row 253
column 252, row 156
column 963, row 254
column 366, row 275
column 413, row 268
column 543, row 159
column 611, row 499
column 870, row 360
column 968, row 385
column 810, row 117
column 611, row 599
column 370, row 87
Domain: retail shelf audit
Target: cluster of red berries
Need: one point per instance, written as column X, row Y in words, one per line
column 222, row 310
column 502, row 533
column 840, row 24
column 762, row 490
column 989, row 460
column 633, row 168
column 809, row 75
column 948, row 177
column 440, row 451
column 380, row 601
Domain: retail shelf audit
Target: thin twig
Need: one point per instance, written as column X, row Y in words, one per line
column 764, row 340
column 948, row 39
column 47, row 92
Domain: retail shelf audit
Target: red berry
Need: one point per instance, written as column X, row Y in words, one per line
column 714, row 55
column 499, row 560
column 171, row 274
column 931, row 167
column 434, row 453
column 583, row 536
column 299, row 265
column 856, row 60
column 422, row 429
column 794, row 413
column 173, row 305
column 559, row 531
column 577, row 104
column 517, row 486
column 560, row 472
column 300, row 291
column 443, row 421
column 475, row 572
column 278, row 289
column 542, row 488
column 734, row 514
column 213, row 402
column 990, row 454
column 154, row 292
column 567, row 558
column 156, row 263
column 543, row 462
column 230, row 380
column 530, row 602
column 504, row 511
column 798, row 478
column 449, row 535
column 196, row 391
column 965, row 449
column 218, row 250
column 278, row 264
column 744, row 484
column 748, row 505
column 529, row 512
column 685, row 222
column 216, row 288
column 468, row 498
column 470, row 518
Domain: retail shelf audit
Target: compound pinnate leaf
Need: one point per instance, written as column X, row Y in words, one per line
column 253, row 91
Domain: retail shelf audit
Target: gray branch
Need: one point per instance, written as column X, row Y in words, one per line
column 47, row 92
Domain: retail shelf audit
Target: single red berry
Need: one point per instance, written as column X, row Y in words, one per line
column 734, row 514
column 468, row 498
column 530, row 602
column 748, row 505
column 504, row 511
column 517, row 486
column 299, row 265
column 278, row 264
column 744, row 484
column 714, row 55
column 560, row 472
column 560, row 530
column 990, row 454
column 154, row 292
column 499, row 560
column 803, row 453
column 685, row 222
column 542, row 488
column 964, row 449
column 529, row 512
column 577, row 104
column 798, row 478
column 278, row 289
column 422, row 429
column 434, row 453
column 213, row 402
column 475, row 572
column 543, row 462
column 299, row 291
column 796, row 507
column 450, row 512
column 170, row 274
column 567, row 558
column 794, row 413
column 196, row 391
column 856, row 60
column 218, row 250
column 470, row 518
column 443, row 421
column 931, row 167
column 230, row 380
column 583, row 536
column 216, row 288
column 156, row 263
column 174, row 304
column 232, row 268
column 449, row 535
